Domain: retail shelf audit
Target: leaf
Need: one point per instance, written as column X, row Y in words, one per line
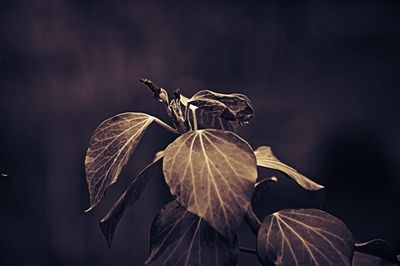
column 111, row 145
column 206, row 119
column 304, row 237
column 266, row 158
column 109, row 223
column 231, row 107
column 378, row 247
column 178, row 237
column 212, row 174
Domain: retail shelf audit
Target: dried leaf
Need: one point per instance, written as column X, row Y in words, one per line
column 178, row 237
column 112, row 143
column 304, row 237
column 378, row 247
column 231, row 107
column 266, row 158
column 109, row 223
column 212, row 174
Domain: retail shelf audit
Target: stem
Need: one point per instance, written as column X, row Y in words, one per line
column 251, row 251
column 252, row 220
column 194, row 117
column 167, row 127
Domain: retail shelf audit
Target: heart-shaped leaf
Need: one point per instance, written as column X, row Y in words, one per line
column 109, row 223
column 266, row 158
column 178, row 237
column 231, row 107
column 212, row 174
column 304, row 237
column 111, row 145
column 378, row 247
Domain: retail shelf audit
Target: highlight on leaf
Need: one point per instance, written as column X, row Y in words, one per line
column 304, row 237
column 267, row 159
column 178, row 237
column 109, row 223
column 212, row 174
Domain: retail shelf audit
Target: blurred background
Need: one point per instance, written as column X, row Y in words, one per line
column 323, row 78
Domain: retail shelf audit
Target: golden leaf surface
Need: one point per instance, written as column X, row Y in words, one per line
column 180, row 238
column 298, row 237
column 111, row 145
column 266, row 158
column 212, row 174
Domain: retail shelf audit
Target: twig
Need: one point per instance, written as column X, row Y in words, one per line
column 252, row 220
column 251, row 251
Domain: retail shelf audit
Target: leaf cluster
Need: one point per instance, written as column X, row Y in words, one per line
column 212, row 174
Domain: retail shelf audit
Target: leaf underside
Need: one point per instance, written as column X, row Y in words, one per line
column 266, row 158
column 304, row 237
column 206, row 119
column 233, row 107
column 178, row 237
column 109, row 223
column 111, row 145
column 212, row 174
column 218, row 110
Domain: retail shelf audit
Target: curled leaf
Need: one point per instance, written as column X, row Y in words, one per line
column 378, row 247
column 109, row 223
column 232, row 107
column 304, row 237
column 178, row 237
column 266, row 158
column 212, row 174
column 203, row 119
column 206, row 119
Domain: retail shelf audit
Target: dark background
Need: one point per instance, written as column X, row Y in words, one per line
column 323, row 79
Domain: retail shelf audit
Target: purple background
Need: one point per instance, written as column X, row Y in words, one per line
column 323, row 79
